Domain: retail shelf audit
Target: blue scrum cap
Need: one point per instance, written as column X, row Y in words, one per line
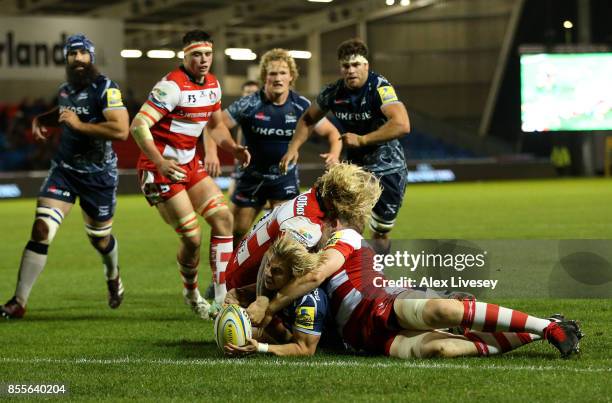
column 79, row 41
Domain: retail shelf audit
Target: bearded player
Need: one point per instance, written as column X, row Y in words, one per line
column 91, row 115
column 173, row 178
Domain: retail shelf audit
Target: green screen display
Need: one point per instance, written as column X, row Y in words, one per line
column 566, row 92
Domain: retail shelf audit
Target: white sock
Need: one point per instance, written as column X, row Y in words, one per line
column 32, row 264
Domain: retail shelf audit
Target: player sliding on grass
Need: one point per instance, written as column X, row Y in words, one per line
column 297, row 329
column 173, row 178
column 399, row 325
column 91, row 114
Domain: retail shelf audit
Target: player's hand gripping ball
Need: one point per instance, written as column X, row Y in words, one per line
column 232, row 326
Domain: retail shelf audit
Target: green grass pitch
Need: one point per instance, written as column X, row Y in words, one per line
column 154, row 349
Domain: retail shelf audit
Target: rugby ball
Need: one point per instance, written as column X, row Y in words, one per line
column 232, row 325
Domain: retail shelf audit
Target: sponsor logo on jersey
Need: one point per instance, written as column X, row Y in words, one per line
column 79, row 110
column 290, row 118
column 194, row 114
column 333, row 240
column 300, row 204
column 212, row 95
column 269, row 131
column 305, row 317
column 341, row 101
column 113, row 98
column 262, row 116
column 82, row 96
column 353, row 116
column 387, row 94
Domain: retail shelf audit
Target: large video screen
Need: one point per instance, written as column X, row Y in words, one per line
column 566, row 91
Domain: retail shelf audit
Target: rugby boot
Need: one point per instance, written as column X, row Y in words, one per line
column 12, row 310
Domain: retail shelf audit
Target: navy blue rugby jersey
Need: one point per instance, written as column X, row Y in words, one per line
column 360, row 112
column 78, row 151
column 307, row 314
column 267, row 128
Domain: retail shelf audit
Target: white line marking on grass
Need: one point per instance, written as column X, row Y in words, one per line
column 282, row 363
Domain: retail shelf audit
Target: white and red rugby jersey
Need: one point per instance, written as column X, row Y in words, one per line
column 351, row 288
column 187, row 106
column 302, row 216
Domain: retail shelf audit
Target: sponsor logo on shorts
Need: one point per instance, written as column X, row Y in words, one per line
column 103, row 210
column 54, row 190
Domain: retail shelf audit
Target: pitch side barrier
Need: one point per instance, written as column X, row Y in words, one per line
column 27, row 184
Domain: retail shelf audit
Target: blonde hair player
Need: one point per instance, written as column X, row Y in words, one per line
column 173, row 178
column 297, row 329
column 344, row 191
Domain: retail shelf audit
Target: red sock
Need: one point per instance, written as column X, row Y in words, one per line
column 221, row 248
column 494, row 318
column 499, row 342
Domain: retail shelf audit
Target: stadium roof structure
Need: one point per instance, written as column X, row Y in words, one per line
column 243, row 23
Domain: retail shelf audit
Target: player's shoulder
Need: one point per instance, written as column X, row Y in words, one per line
column 179, row 79
column 246, row 105
column 346, row 236
column 210, row 81
column 378, row 80
column 299, row 100
column 102, row 83
column 332, row 87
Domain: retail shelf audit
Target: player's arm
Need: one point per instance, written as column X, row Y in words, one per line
column 116, row 126
column 211, row 155
column 163, row 98
column 302, row 344
column 242, row 296
column 40, row 122
column 397, row 125
column 220, row 133
column 325, row 128
column 303, row 129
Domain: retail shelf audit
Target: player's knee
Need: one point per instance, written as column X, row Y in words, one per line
column 439, row 311
column 101, row 244
column 188, row 229
column 222, row 222
column 380, row 226
column 409, row 312
column 46, row 224
column 99, row 235
column 192, row 243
